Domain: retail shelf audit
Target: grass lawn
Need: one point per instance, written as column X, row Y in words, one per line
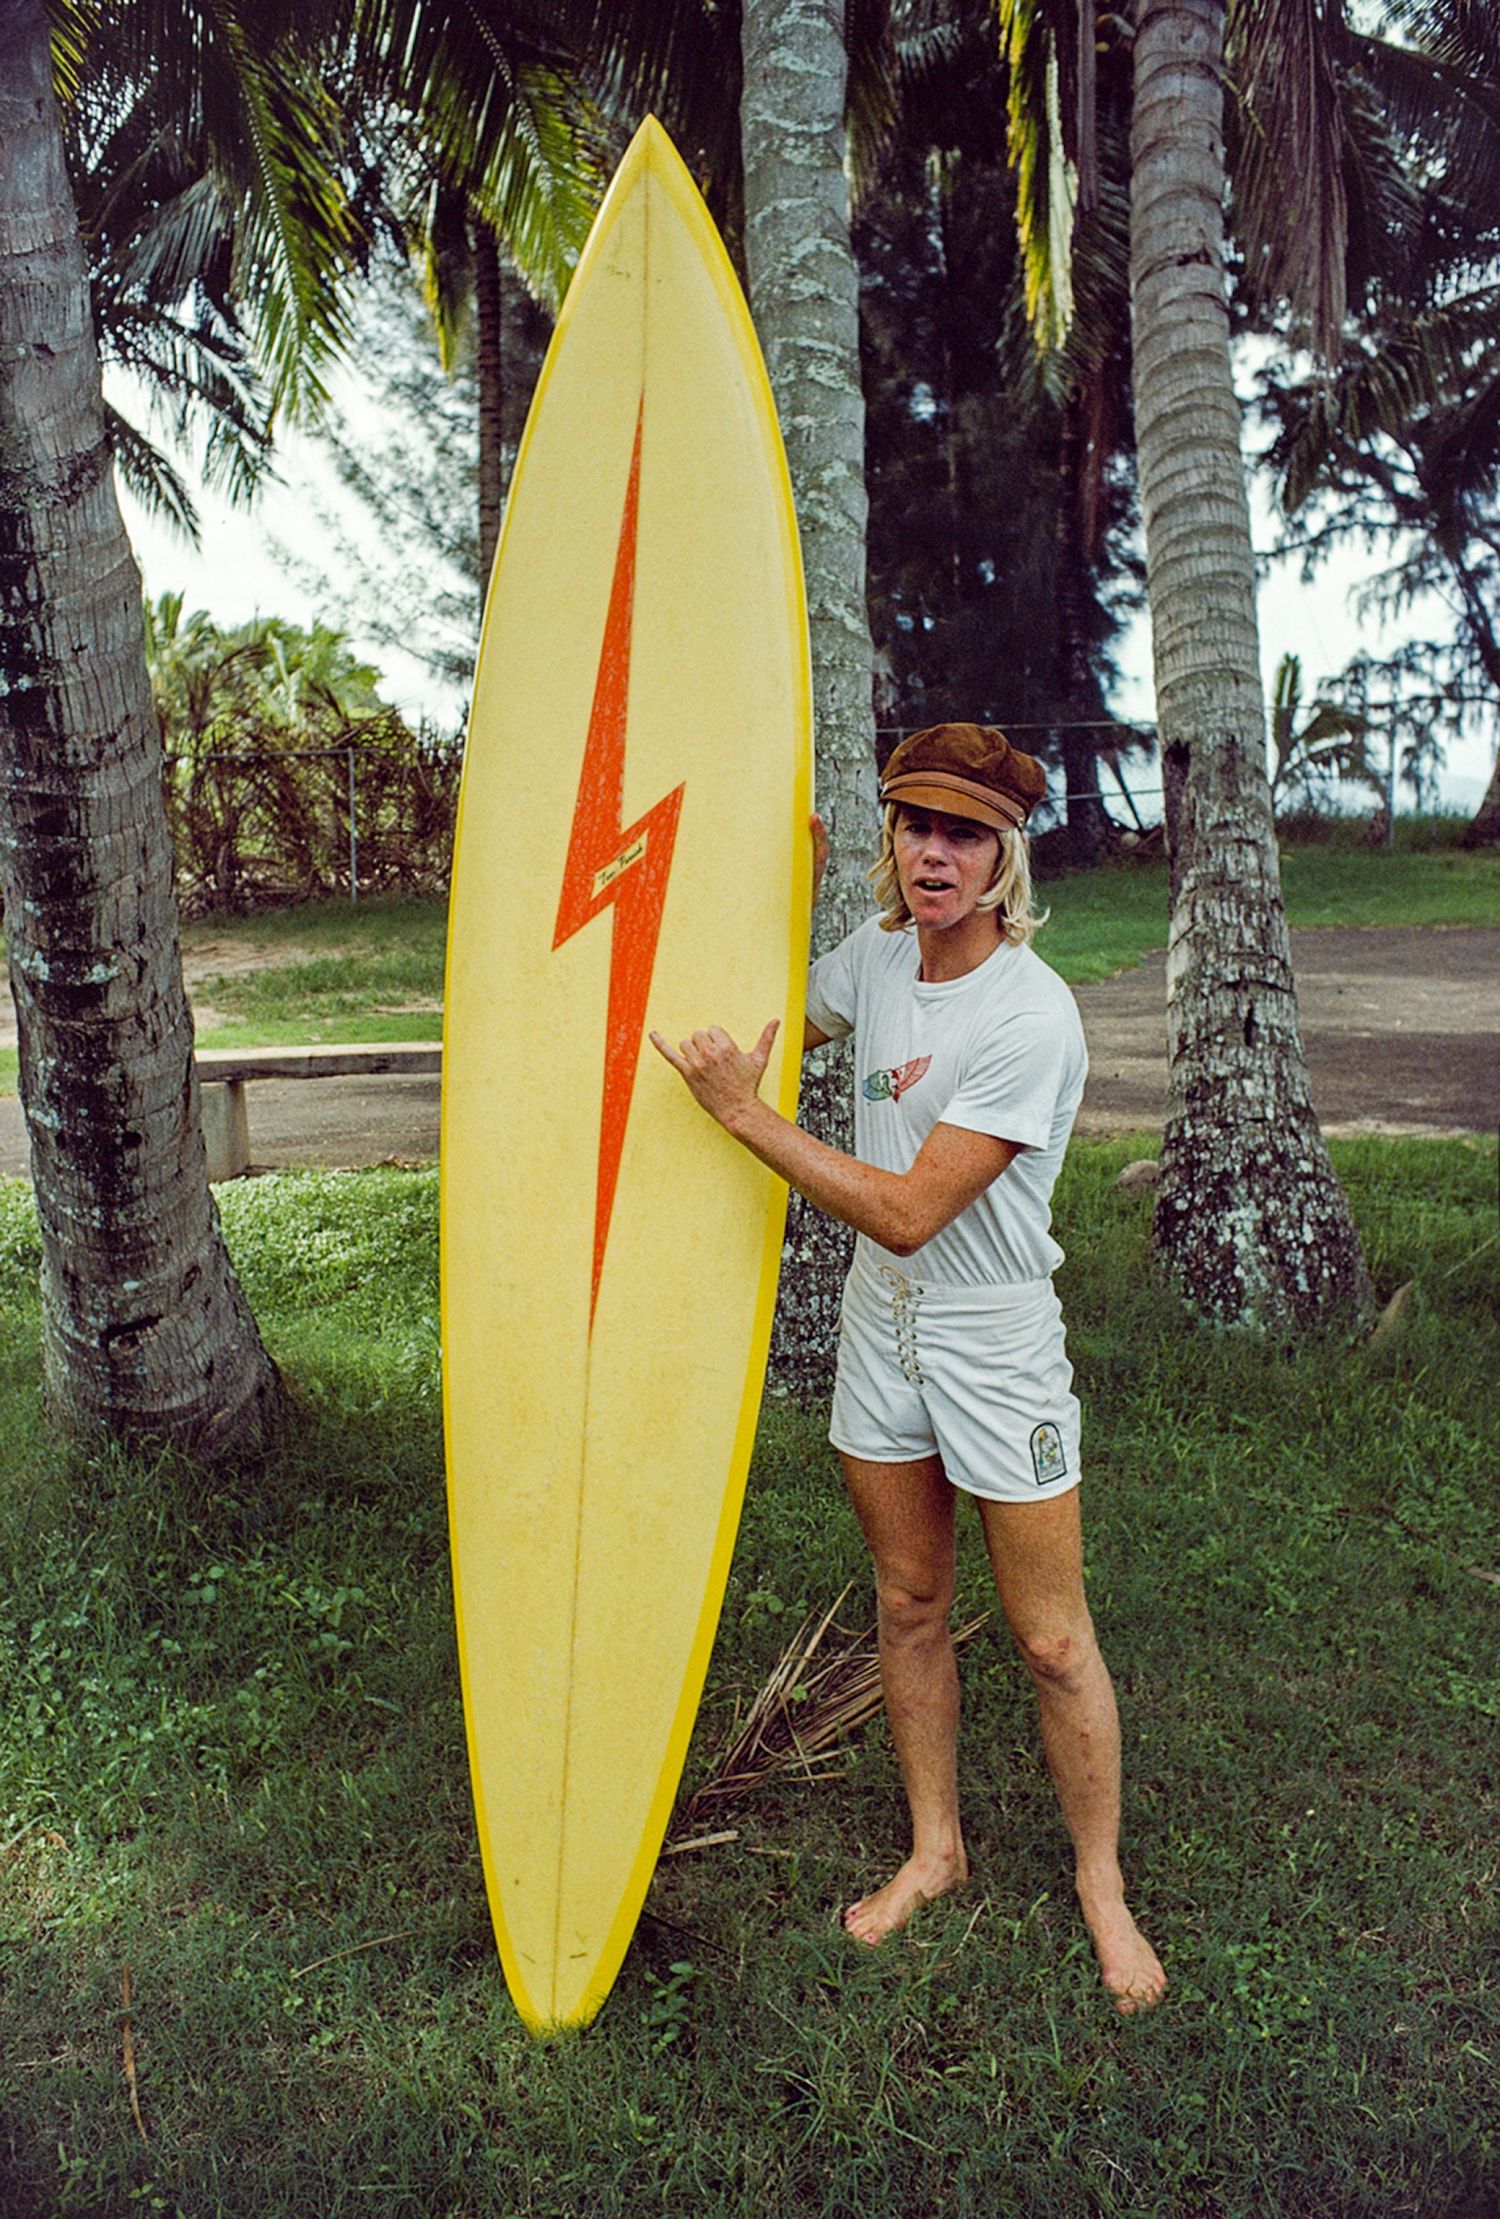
column 231, row 1766
column 1105, row 920
column 366, row 971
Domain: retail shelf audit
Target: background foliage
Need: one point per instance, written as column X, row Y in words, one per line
column 274, row 736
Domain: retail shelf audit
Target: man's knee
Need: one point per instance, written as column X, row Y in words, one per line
column 913, row 1610
column 1057, row 1657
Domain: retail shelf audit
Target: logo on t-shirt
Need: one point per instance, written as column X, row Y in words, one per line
column 889, row 1086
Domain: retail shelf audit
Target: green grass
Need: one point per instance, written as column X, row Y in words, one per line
column 371, row 972
column 231, row 1761
column 381, row 921
column 1105, row 920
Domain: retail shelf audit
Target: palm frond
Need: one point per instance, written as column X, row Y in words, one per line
column 1387, row 239
column 243, row 104
column 1441, row 102
column 171, row 246
column 677, row 59
column 502, row 116
column 151, row 477
column 1099, row 328
column 927, row 49
column 873, row 93
column 74, row 23
column 1044, row 180
column 296, row 239
column 1420, row 366
column 1465, row 33
column 801, row 1718
column 1291, row 210
column 540, row 185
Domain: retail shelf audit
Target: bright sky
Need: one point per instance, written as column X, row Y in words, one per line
column 234, row 575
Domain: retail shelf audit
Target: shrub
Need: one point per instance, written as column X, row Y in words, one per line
column 286, row 774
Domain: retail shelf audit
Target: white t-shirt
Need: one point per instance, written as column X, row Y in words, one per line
column 997, row 1051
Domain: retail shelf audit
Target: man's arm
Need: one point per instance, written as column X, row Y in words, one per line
column 901, row 1210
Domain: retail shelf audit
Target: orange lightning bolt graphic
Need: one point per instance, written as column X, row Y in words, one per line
column 624, row 866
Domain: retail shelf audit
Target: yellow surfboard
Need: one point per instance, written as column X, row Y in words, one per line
column 632, row 853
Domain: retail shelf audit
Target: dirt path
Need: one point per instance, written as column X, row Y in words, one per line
column 1401, row 1026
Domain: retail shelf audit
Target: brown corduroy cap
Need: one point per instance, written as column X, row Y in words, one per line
column 965, row 770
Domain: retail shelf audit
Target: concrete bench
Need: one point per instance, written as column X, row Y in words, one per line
column 225, row 1073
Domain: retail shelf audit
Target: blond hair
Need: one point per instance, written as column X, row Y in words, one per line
column 1009, row 890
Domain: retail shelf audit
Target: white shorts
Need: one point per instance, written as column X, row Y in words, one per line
column 976, row 1375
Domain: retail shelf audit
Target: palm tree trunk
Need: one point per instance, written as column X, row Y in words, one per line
column 489, row 359
column 1483, row 828
column 1079, row 697
column 805, row 297
column 145, row 1330
column 1250, row 1219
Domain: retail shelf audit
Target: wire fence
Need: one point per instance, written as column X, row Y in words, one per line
column 257, row 826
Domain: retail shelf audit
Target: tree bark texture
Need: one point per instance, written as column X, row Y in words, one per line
column 1250, row 1221
column 489, row 357
column 1079, row 697
column 1483, row 828
column 145, row 1329
column 804, row 294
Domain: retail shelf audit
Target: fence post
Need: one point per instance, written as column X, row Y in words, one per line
column 353, row 833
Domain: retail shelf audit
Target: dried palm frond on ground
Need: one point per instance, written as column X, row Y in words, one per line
column 812, row 1700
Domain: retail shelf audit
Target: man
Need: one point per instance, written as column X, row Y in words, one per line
column 953, row 1376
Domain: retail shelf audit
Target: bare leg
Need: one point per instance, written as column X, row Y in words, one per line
column 906, row 1511
column 1036, row 1553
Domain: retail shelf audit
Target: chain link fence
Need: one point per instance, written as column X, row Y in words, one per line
column 374, row 814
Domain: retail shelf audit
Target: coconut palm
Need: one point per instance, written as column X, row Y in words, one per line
column 145, row 1329
column 1399, row 447
column 1250, row 1217
column 1250, row 1221
column 805, row 298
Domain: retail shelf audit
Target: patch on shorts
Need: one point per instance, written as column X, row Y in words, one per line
column 1049, row 1459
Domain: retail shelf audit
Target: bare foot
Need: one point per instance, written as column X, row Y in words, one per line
column 1131, row 1969
column 919, row 1881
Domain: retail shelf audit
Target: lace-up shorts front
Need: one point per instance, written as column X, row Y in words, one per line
column 976, row 1375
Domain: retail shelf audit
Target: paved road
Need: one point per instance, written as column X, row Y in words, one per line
column 1402, row 1029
